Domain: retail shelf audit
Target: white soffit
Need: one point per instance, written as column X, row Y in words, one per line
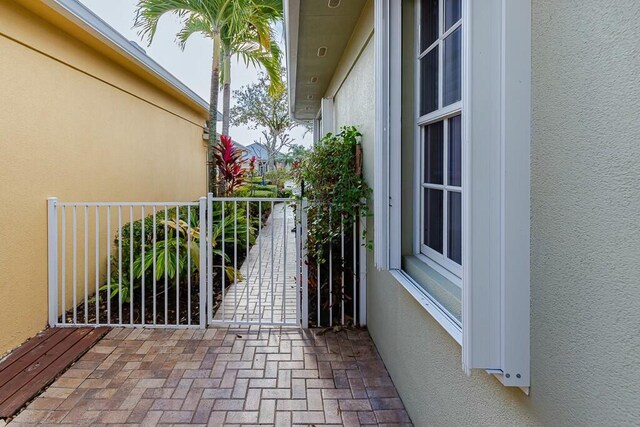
column 317, row 35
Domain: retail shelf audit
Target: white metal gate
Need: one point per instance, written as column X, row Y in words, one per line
column 256, row 274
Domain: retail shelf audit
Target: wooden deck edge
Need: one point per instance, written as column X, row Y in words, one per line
column 31, row 389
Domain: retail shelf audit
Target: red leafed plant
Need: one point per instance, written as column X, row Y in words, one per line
column 231, row 165
column 252, row 166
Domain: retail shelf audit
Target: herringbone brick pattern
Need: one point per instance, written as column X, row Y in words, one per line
column 223, row 376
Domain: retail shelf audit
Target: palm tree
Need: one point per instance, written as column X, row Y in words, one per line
column 255, row 45
column 206, row 17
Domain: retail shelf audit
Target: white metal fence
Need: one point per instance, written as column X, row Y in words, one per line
column 126, row 264
column 337, row 267
column 189, row 264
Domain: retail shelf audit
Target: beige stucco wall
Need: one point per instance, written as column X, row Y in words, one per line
column 354, row 105
column 95, row 133
column 585, row 248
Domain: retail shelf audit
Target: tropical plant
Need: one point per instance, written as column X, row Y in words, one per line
column 254, row 44
column 184, row 239
column 295, row 154
column 231, row 165
column 236, row 27
column 278, row 177
column 206, row 18
column 252, row 174
column 183, row 234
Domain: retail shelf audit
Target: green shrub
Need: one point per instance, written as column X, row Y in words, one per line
column 177, row 235
column 279, row 177
column 334, row 186
column 257, row 191
column 272, row 188
column 264, row 193
column 285, row 193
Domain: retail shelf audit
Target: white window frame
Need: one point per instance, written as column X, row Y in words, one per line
column 496, row 102
column 434, row 259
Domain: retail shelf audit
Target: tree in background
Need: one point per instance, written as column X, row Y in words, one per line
column 258, row 109
column 295, row 154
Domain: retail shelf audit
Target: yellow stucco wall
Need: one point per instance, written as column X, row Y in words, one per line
column 80, row 126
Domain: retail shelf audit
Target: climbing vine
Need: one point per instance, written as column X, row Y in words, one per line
column 332, row 177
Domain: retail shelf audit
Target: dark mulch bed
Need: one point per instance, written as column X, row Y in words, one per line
column 176, row 313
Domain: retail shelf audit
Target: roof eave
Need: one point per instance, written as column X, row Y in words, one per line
column 291, row 29
column 81, row 16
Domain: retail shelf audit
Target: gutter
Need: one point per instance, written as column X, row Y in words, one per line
column 80, row 15
column 291, row 29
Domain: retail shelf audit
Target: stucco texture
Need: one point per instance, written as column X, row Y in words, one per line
column 354, row 104
column 585, row 240
column 95, row 133
column 585, row 248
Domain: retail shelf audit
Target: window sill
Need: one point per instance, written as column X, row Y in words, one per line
column 441, row 316
column 435, row 309
column 441, row 286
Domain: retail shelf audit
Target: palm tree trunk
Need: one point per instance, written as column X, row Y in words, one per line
column 213, row 114
column 226, row 93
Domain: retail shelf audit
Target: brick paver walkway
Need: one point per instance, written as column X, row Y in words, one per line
column 268, row 293
column 223, row 376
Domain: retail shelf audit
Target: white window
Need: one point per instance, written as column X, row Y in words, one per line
column 470, row 191
column 438, row 232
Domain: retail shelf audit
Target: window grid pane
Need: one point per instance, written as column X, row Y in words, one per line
column 429, row 82
column 429, row 30
column 454, row 227
column 452, row 63
column 433, row 219
column 433, row 153
column 452, row 13
column 454, row 178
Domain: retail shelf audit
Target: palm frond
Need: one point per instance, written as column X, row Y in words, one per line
column 193, row 13
column 192, row 25
column 271, row 63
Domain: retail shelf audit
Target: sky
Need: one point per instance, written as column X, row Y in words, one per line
column 192, row 66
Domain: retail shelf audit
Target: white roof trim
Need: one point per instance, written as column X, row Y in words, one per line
column 291, row 29
column 81, row 15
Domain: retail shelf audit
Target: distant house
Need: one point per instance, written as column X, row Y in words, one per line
column 261, row 154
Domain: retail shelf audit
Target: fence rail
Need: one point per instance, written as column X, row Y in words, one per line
column 337, row 266
column 220, row 260
column 126, row 264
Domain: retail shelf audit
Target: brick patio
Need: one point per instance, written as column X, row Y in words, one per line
column 223, row 376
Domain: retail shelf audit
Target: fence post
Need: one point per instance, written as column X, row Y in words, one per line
column 52, row 252
column 305, row 266
column 209, row 257
column 203, row 271
column 363, row 269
